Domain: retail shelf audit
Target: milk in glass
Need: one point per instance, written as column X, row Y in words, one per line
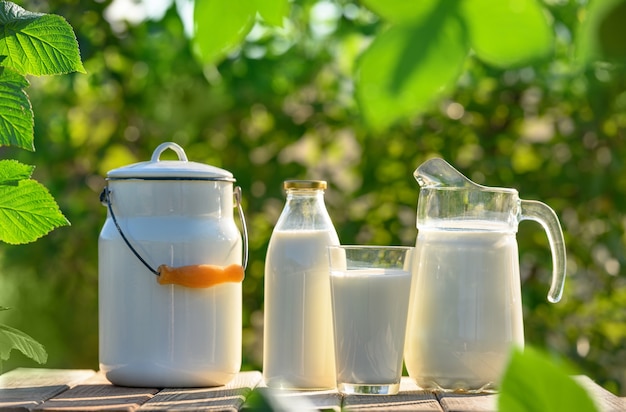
column 370, row 321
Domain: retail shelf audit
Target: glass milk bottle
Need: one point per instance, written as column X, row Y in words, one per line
column 298, row 347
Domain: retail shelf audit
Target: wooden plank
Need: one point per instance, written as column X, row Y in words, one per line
column 96, row 394
column 230, row 397
column 294, row 400
column 56, row 390
column 605, row 400
column 23, row 389
column 452, row 402
column 410, row 398
column 288, row 399
column 466, row 402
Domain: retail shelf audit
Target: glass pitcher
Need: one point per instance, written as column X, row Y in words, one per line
column 465, row 310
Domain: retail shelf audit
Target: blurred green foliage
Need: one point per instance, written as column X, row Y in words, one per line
column 282, row 106
column 534, row 382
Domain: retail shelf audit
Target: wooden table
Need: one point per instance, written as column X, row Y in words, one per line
column 87, row 390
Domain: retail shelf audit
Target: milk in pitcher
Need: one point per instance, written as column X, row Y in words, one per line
column 466, row 303
column 464, row 339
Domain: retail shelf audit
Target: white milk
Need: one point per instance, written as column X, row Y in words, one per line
column 298, row 349
column 166, row 335
column 465, row 310
column 370, row 321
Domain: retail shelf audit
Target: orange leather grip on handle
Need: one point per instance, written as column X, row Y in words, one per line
column 199, row 276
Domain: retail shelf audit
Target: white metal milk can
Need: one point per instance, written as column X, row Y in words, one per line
column 171, row 266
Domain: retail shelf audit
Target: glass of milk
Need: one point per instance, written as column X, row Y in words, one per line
column 370, row 288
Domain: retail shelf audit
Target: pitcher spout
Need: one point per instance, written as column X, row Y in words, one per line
column 437, row 172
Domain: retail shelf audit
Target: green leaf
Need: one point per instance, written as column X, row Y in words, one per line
column 272, row 11
column 602, row 32
column 220, row 26
column 16, row 113
column 408, row 67
column 508, row 33
column 37, row 43
column 534, row 383
column 12, row 171
column 402, row 11
column 27, row 212
column 11, row 338
column 2, row 308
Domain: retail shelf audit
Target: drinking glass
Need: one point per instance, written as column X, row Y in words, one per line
column 370, row 288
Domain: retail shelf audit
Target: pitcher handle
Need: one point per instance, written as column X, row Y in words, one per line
column 546, row 217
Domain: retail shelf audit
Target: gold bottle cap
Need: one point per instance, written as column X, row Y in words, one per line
column 305, row 184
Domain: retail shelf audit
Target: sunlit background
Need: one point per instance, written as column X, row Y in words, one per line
column 282, row 106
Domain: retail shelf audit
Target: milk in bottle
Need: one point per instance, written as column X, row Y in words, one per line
column 298, row 347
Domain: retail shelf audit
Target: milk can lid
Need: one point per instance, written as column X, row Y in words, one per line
column 181, row 169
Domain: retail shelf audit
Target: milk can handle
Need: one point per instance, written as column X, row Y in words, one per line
column 244, row 228
column 105, row 199
column 156, row 155
column 546, row 217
